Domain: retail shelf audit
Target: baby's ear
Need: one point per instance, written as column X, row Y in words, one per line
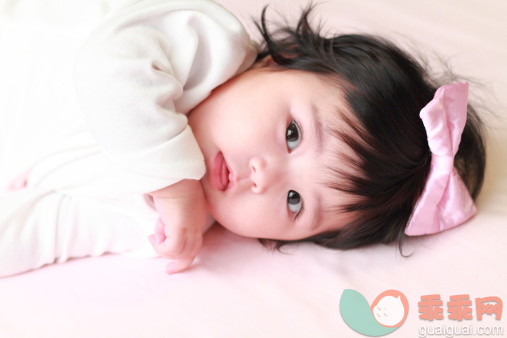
column 266, row 61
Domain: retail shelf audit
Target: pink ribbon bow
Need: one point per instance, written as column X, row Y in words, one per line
column 445, row 201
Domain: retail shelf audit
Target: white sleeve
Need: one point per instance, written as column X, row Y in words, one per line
column 144, row 69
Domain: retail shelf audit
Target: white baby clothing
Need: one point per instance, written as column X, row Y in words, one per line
column 94, row 97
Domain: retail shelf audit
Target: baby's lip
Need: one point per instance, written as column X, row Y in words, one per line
column 236, row 178
column 219, row 173
column 232, row 176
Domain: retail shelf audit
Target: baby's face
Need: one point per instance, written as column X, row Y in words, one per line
column 266, row 145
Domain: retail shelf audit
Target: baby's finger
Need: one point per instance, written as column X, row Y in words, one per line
column 159, row 227
column 173, row 246
column 192, row 245
column 195, row 246
column 179, row 265
column 155, row 240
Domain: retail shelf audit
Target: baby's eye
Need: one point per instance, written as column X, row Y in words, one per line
column 293, row 135
column 294, row 201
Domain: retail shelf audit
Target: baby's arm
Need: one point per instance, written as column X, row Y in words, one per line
column 137, row 77
column 178, row 234
column 143, row 70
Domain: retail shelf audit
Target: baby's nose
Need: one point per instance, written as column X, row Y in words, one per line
column 260, row 175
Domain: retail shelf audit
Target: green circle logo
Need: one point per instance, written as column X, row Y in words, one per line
column 385, row 315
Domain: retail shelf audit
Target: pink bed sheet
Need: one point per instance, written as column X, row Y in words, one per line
column 238, row 288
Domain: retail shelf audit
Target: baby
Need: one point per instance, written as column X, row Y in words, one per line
column 341, row 141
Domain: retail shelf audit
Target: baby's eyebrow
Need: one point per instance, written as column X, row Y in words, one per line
column 317, row 212
column 317, row 124
column 321, row 131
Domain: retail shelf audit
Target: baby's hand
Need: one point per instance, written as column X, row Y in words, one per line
column 178, row 233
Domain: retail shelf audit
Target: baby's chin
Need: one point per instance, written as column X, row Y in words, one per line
column 230, row 225
column 225, row 215
column 214, row 213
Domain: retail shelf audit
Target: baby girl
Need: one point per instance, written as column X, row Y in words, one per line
column 170, row 116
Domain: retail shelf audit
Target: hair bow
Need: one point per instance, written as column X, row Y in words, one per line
column 445, row 201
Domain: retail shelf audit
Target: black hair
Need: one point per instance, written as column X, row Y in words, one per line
column 385, row 89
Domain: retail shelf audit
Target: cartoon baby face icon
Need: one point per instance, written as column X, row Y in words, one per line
column 390, row 308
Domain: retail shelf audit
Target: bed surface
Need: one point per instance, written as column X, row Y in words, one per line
column 239, row 288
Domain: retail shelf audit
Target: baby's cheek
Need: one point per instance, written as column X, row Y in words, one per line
column 225, row 212
column 242, row 221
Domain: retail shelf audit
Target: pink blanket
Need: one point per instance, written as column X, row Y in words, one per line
column 239, row 288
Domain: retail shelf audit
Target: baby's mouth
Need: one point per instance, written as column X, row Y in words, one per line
column 219, row 173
